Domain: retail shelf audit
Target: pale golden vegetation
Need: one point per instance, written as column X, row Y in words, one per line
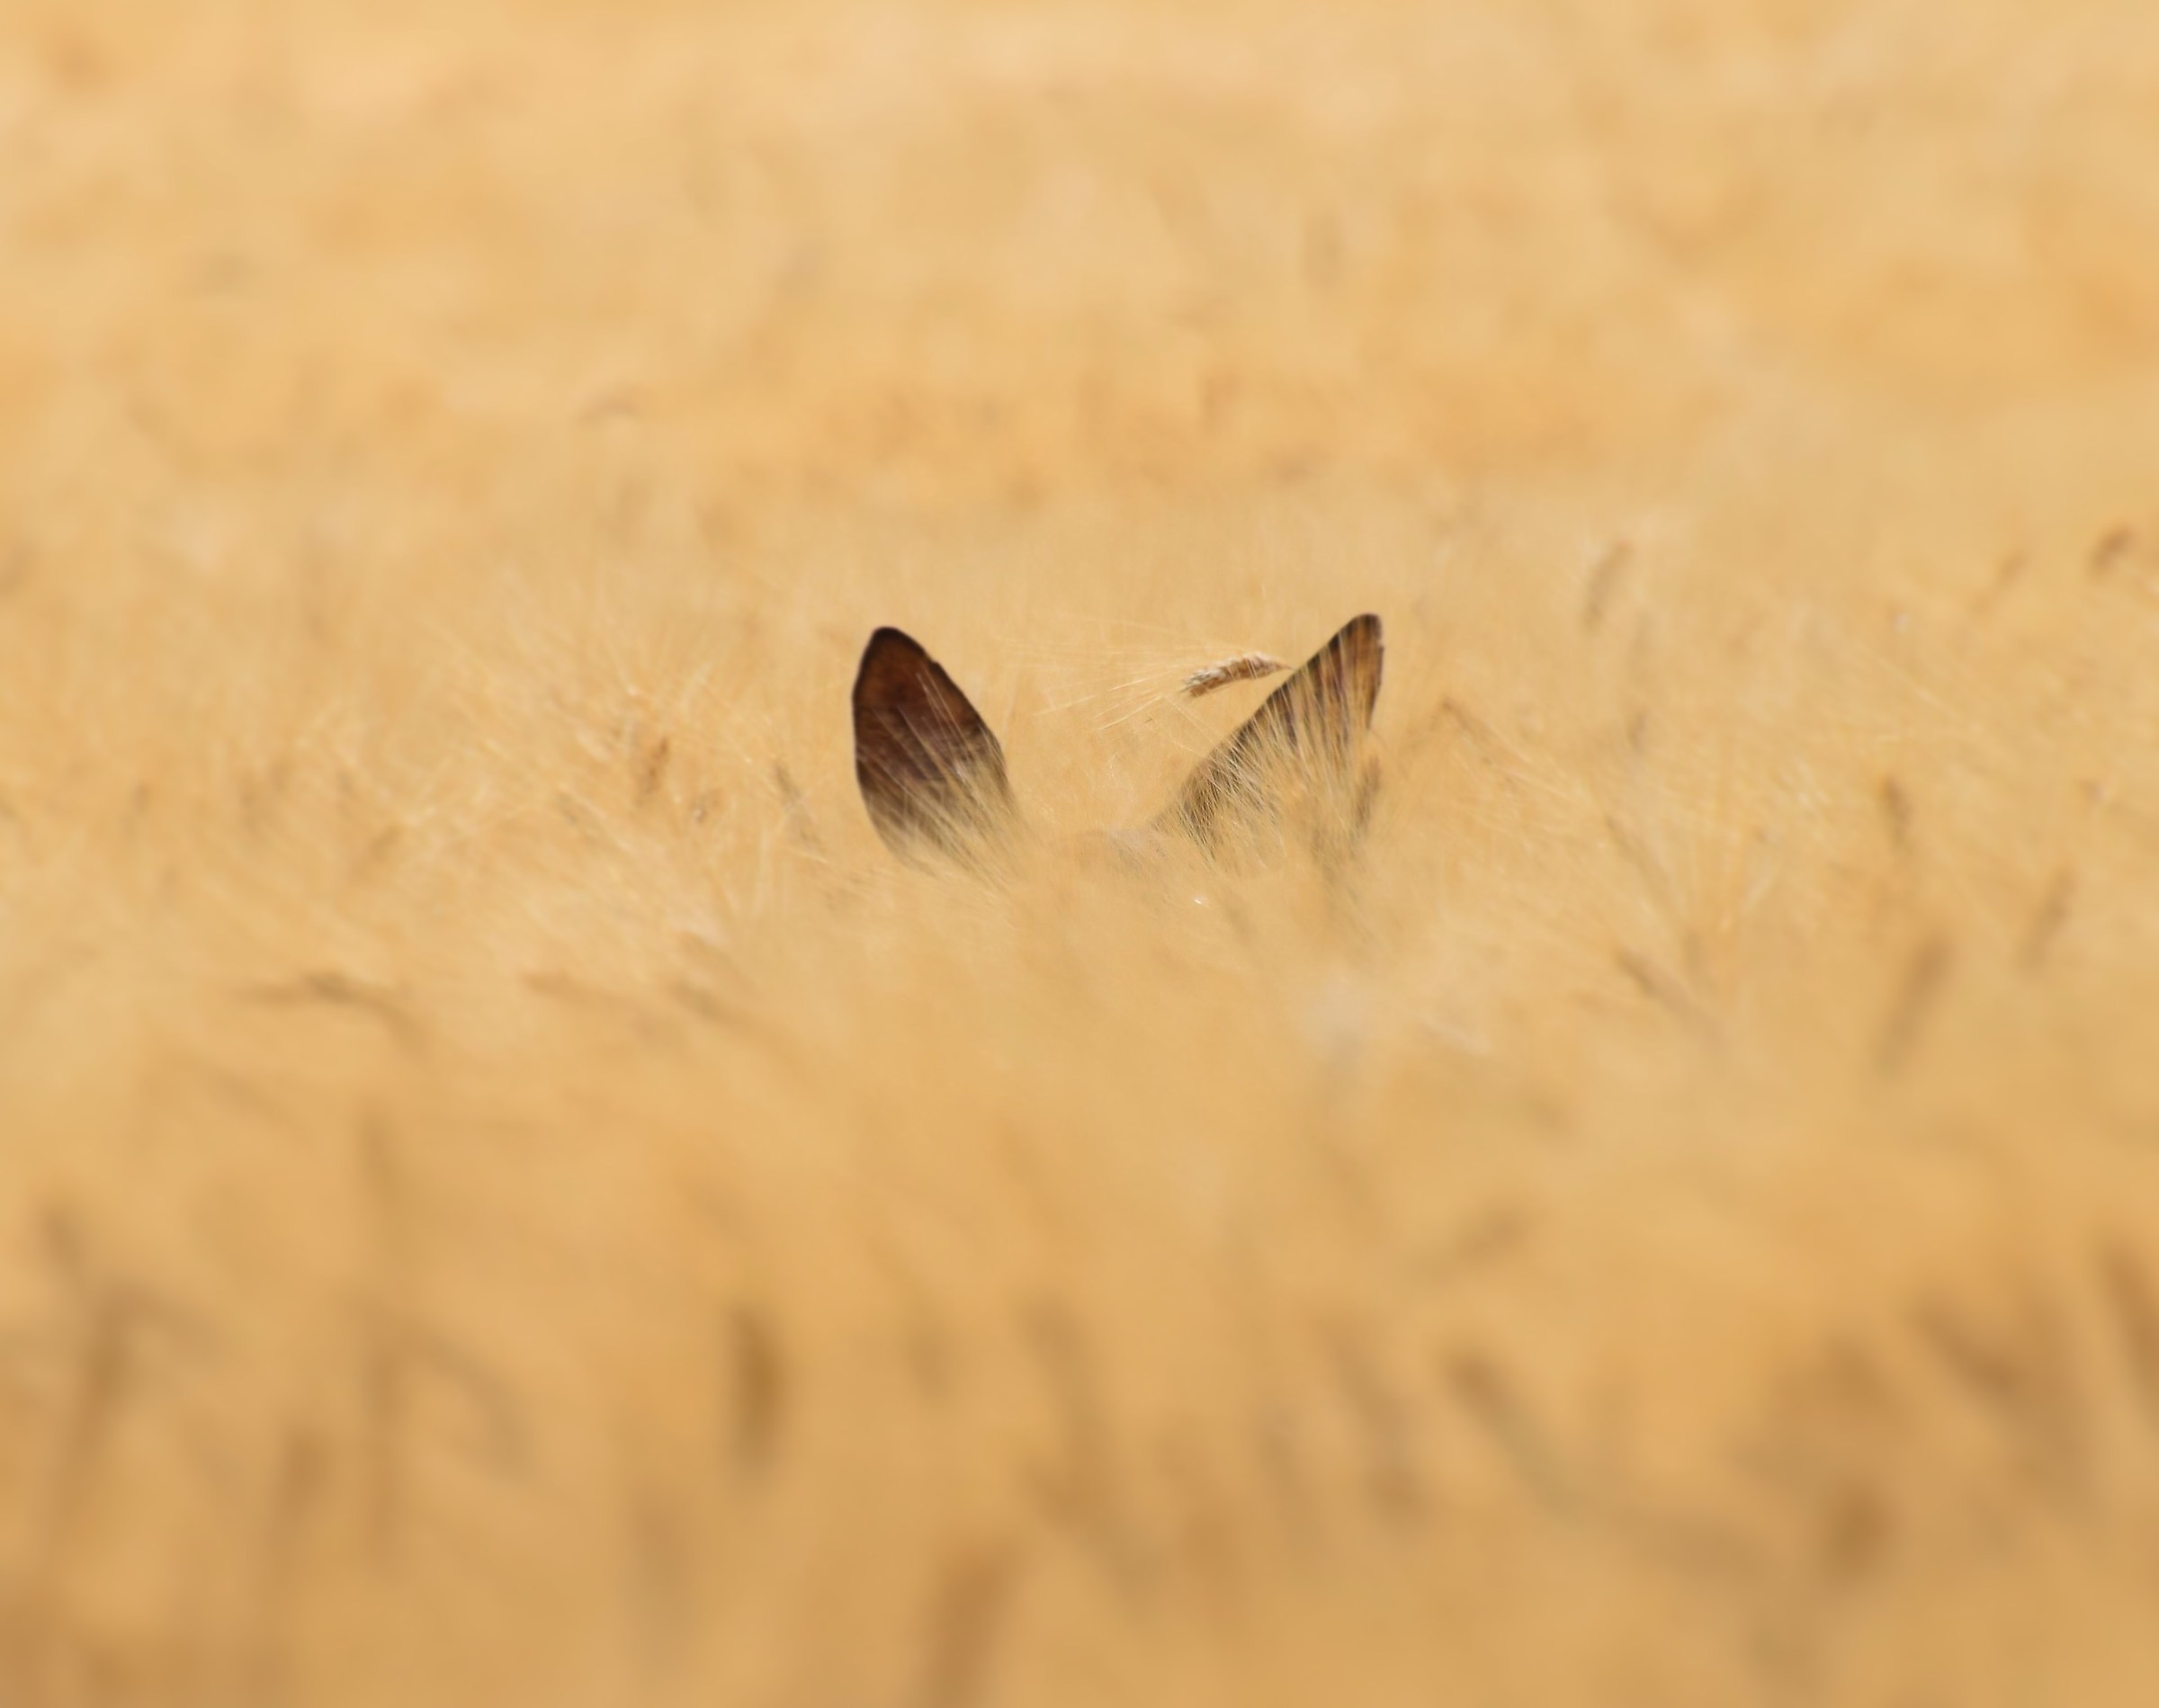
column 1246, row 667
column 508, row 1193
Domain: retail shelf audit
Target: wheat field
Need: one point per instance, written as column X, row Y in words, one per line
column 510, row 1195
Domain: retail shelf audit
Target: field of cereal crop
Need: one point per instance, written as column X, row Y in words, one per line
column 510, row 1195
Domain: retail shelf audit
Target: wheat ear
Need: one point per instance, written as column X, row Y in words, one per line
column 1246, row 667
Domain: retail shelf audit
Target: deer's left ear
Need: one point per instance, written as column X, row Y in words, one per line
column 931, row 770
column 1306, row 737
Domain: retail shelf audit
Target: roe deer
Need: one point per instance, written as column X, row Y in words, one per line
column 932, row 771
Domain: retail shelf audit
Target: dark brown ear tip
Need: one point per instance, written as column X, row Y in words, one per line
column 1361, row 642
column 886, row 641
column 889, row 650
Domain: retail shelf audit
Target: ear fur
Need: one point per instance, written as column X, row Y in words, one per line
column 931, row 771
column 1306, row 735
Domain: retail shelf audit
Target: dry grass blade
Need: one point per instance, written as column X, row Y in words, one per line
column 1246, row 667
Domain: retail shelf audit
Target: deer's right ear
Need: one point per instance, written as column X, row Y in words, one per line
column 931, row 771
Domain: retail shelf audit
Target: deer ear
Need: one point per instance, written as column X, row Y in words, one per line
column 1305, row 736
column 931, row 772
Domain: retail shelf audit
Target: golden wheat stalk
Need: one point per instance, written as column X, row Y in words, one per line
column 1246, row 667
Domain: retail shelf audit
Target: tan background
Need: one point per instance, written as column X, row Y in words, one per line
column 508, row 1194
